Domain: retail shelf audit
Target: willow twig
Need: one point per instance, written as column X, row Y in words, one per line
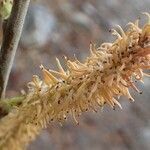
column 11, row 37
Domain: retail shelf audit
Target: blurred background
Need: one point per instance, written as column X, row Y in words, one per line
column 55, row 28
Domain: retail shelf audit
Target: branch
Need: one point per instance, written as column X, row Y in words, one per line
column 10, row 42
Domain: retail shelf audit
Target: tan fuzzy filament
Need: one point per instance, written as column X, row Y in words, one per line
column 106, row 74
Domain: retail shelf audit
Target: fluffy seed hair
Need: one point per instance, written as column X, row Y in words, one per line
column 106, row 74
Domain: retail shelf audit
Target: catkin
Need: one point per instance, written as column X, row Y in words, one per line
column 108, row 73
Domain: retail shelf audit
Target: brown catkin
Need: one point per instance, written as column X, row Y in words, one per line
column 106, row 74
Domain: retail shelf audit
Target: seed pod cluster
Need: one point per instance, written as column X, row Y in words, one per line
column 106, row 74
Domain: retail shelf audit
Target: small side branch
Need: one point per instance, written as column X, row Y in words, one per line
column 11, row 37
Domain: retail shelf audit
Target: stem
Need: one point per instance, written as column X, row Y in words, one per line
column 11, row 37
column 7, row 104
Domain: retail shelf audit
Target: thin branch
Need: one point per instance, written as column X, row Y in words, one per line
column 12, row 33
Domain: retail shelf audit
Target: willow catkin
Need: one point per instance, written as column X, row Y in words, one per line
column 106, row 74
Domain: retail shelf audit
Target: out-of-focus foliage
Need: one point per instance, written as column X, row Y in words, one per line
column 5, row 8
